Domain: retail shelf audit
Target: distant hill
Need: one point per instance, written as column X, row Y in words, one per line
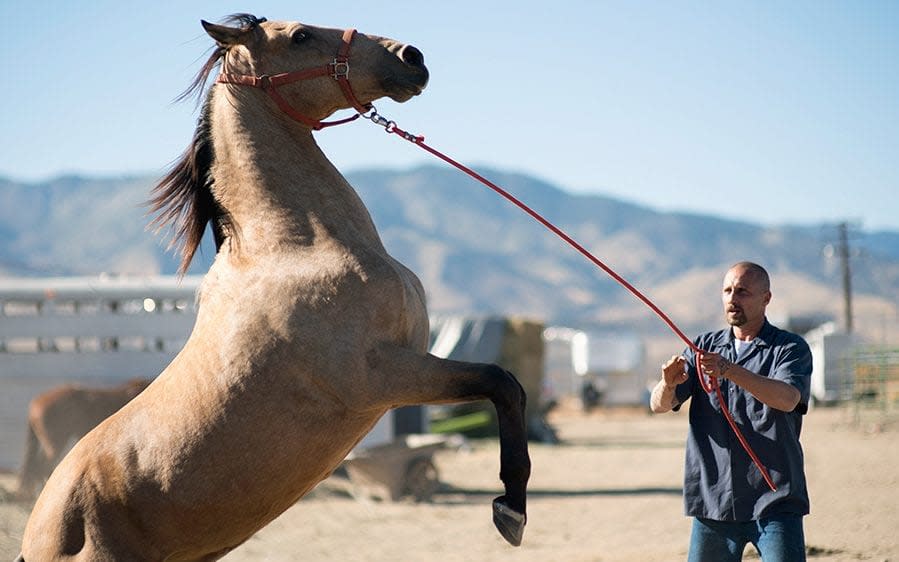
column 75, row 225
column 476, row 253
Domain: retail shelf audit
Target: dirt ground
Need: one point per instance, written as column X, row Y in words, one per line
column 611, row 492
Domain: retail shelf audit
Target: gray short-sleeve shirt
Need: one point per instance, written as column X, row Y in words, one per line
column 720, row 480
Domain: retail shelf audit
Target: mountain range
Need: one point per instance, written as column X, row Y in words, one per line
column 477, row 254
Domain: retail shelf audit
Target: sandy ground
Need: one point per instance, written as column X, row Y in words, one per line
column 611, row 492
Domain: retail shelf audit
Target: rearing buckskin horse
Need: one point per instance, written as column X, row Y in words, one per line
column 307, row 331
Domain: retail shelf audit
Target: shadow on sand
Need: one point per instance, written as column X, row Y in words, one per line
column 448, row 494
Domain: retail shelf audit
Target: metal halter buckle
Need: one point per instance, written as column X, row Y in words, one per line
column 341, row 69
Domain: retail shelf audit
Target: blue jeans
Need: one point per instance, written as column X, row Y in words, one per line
column 778, row 538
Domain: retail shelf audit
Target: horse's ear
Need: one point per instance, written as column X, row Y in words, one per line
column 225, row 36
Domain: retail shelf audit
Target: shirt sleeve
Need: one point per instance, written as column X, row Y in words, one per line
column 794, row 367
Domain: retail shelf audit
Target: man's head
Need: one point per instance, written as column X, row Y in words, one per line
column 745, row 294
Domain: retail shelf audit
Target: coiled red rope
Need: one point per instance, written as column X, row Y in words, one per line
column 709, row 387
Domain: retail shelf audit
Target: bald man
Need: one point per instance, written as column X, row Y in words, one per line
column 764, row 374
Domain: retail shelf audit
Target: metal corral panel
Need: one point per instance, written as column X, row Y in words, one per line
column 109, row 287
column 102, row 324
column 109, row 327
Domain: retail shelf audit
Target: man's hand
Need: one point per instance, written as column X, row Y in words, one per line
column 663, row 397
column 714, row 365
column 674, row 372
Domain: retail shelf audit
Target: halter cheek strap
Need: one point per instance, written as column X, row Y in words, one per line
column 339, row 69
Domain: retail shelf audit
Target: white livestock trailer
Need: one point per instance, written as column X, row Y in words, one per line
column 86, row 330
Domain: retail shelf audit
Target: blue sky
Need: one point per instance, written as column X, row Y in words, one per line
column 769, row 112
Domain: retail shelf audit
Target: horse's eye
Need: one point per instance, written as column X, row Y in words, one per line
column 298, row 37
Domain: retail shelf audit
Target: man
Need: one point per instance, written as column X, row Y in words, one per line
column 764, row 374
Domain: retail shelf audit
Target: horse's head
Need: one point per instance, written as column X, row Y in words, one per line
column 309, row 72
column 317, row 70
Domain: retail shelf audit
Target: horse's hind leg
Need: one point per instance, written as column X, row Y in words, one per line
column 417, row 378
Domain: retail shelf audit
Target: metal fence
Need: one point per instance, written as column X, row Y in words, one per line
column 874, row 385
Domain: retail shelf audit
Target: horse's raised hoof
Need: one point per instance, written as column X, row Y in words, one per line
column 509, row 522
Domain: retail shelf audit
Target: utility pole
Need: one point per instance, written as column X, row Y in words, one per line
column 847, row 275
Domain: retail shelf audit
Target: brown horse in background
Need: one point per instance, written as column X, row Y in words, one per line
column 61, row 416
column 307, row 332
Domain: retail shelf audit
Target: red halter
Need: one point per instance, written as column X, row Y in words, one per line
column 339, row 69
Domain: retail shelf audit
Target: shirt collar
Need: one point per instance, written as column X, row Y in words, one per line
column 764, row 338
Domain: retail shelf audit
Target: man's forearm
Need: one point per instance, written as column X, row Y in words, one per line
column 663, row 398
column 776, row 394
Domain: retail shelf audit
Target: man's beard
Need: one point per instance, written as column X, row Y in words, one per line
column 735, row 317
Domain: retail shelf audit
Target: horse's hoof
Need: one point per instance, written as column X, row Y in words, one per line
column 509, row 522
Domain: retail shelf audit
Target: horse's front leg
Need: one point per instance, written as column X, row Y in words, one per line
column 412, row 378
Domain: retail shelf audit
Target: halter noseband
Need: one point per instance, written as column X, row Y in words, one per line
column 338, row 69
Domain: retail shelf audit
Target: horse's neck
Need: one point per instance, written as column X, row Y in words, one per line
column 278, row 187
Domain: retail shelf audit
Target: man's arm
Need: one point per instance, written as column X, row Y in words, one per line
column 663, row 398
column 774, row 393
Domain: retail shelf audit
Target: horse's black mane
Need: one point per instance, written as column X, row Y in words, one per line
column 183, row 199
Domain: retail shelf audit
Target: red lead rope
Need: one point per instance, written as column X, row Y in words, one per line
column 390, row 127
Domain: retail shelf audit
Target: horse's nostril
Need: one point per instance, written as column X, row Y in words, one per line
column 412, row 56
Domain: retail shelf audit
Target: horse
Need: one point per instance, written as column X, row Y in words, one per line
column 307, row 331
column 61, row 416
